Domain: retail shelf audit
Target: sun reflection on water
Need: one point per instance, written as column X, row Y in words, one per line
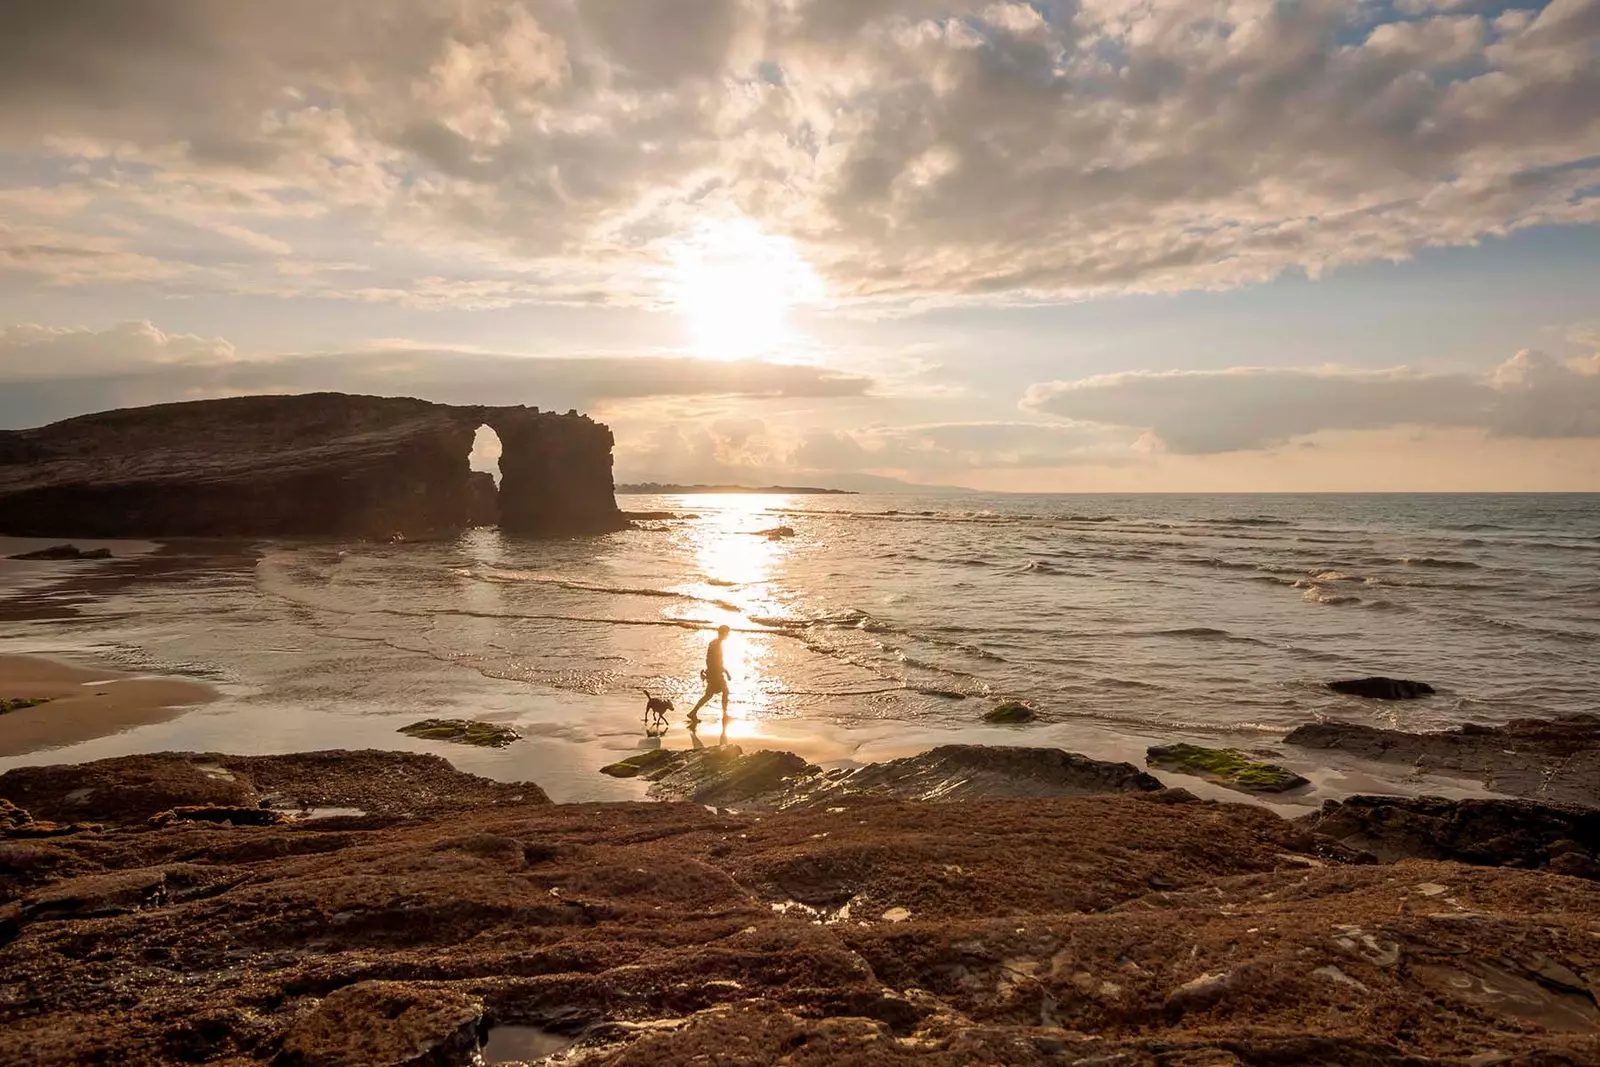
column 737, row 564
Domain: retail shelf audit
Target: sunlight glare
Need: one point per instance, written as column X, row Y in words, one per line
column 734, row 285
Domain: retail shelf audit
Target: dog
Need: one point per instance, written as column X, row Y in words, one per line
column 655, row 714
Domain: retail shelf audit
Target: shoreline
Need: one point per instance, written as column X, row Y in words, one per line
column 80, row 703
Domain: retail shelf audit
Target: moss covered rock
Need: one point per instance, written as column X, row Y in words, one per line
column 18, row 703
column 635, row 765
column 463, row 732
column 1012, row 711
column 1225, row 766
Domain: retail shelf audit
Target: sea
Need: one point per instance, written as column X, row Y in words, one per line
column 863, row 625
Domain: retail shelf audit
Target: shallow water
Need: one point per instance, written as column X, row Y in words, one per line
column 884, row 617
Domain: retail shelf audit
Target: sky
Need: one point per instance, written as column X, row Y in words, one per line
column 1070, row 245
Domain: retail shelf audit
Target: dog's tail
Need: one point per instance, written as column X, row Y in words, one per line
column 647, row 694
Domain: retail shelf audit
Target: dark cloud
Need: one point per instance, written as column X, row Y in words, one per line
column 1203, row 412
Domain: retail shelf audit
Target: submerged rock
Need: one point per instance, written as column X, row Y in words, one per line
column 1012, row 711
column 462, row 732
column 1378, row 688
column 1225, row 766
column 1562, row 838
column 64, row 552
column 1549, row 759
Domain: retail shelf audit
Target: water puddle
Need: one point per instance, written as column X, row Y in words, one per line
column 328, row 813
column 521, row 1044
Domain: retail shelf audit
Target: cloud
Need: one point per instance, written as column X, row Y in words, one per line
column 50, row 373
column 1241, row 408
column 972, row 148
column 751, row 451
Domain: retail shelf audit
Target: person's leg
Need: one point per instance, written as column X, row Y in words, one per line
column 705, row 698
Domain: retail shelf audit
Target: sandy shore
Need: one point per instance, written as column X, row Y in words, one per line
column 83, row 703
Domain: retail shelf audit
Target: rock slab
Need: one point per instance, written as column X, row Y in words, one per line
column 1556, row 760
column 1225, row 766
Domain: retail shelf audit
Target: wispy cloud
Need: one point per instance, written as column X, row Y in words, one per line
column 1531, row 395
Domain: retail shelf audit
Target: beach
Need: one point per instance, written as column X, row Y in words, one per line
column 77, row 703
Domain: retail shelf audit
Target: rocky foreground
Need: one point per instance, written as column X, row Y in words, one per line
column 365, row 908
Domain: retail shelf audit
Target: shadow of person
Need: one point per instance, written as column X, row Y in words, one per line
column 694, row 735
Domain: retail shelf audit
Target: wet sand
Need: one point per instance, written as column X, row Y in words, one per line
column 84, row 703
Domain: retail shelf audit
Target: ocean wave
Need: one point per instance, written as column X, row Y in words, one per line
column 492, row 574
column 1257, row 520
column 1316, row 594
column 1428, row 561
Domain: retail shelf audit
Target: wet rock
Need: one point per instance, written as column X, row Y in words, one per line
column 462, row 732
column 1012, row 711
column 781, row 781
column 654, row 760
column 129, row 790
column 314, row 464
column 1556, row 759
column 20, row 703
column 724, row 775
column 973, row 772
column 1225, row 766
column 776, row 533
column 64, row 552
column 386, row 1024
column 1379, row 688
column 1564, row 839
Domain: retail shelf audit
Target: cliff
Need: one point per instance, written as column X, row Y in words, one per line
column 321, row 464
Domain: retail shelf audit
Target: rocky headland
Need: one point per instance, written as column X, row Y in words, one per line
column 365, row 908
column 320, row 464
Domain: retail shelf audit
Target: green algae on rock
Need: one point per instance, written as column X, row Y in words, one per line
column 463, row 732
column 641, row 762
column 1225, row 766
column 18, row 703
column 1012, row 711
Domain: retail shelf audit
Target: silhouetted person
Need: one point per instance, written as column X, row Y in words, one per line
column 716, row 676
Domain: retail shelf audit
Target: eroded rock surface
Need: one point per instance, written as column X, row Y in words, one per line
column 1545, row 759
column 1497, row 833
column 781, row 781
column 129, row 790
column 1133, row 929
column 316, row 464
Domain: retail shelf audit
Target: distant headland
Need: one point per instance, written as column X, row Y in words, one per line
column 647, row 488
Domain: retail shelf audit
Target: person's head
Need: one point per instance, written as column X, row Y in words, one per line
column 723, row 631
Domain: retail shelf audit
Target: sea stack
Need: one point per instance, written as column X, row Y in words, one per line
column 319, row 464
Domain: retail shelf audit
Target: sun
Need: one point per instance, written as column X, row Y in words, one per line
column 735, row 285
